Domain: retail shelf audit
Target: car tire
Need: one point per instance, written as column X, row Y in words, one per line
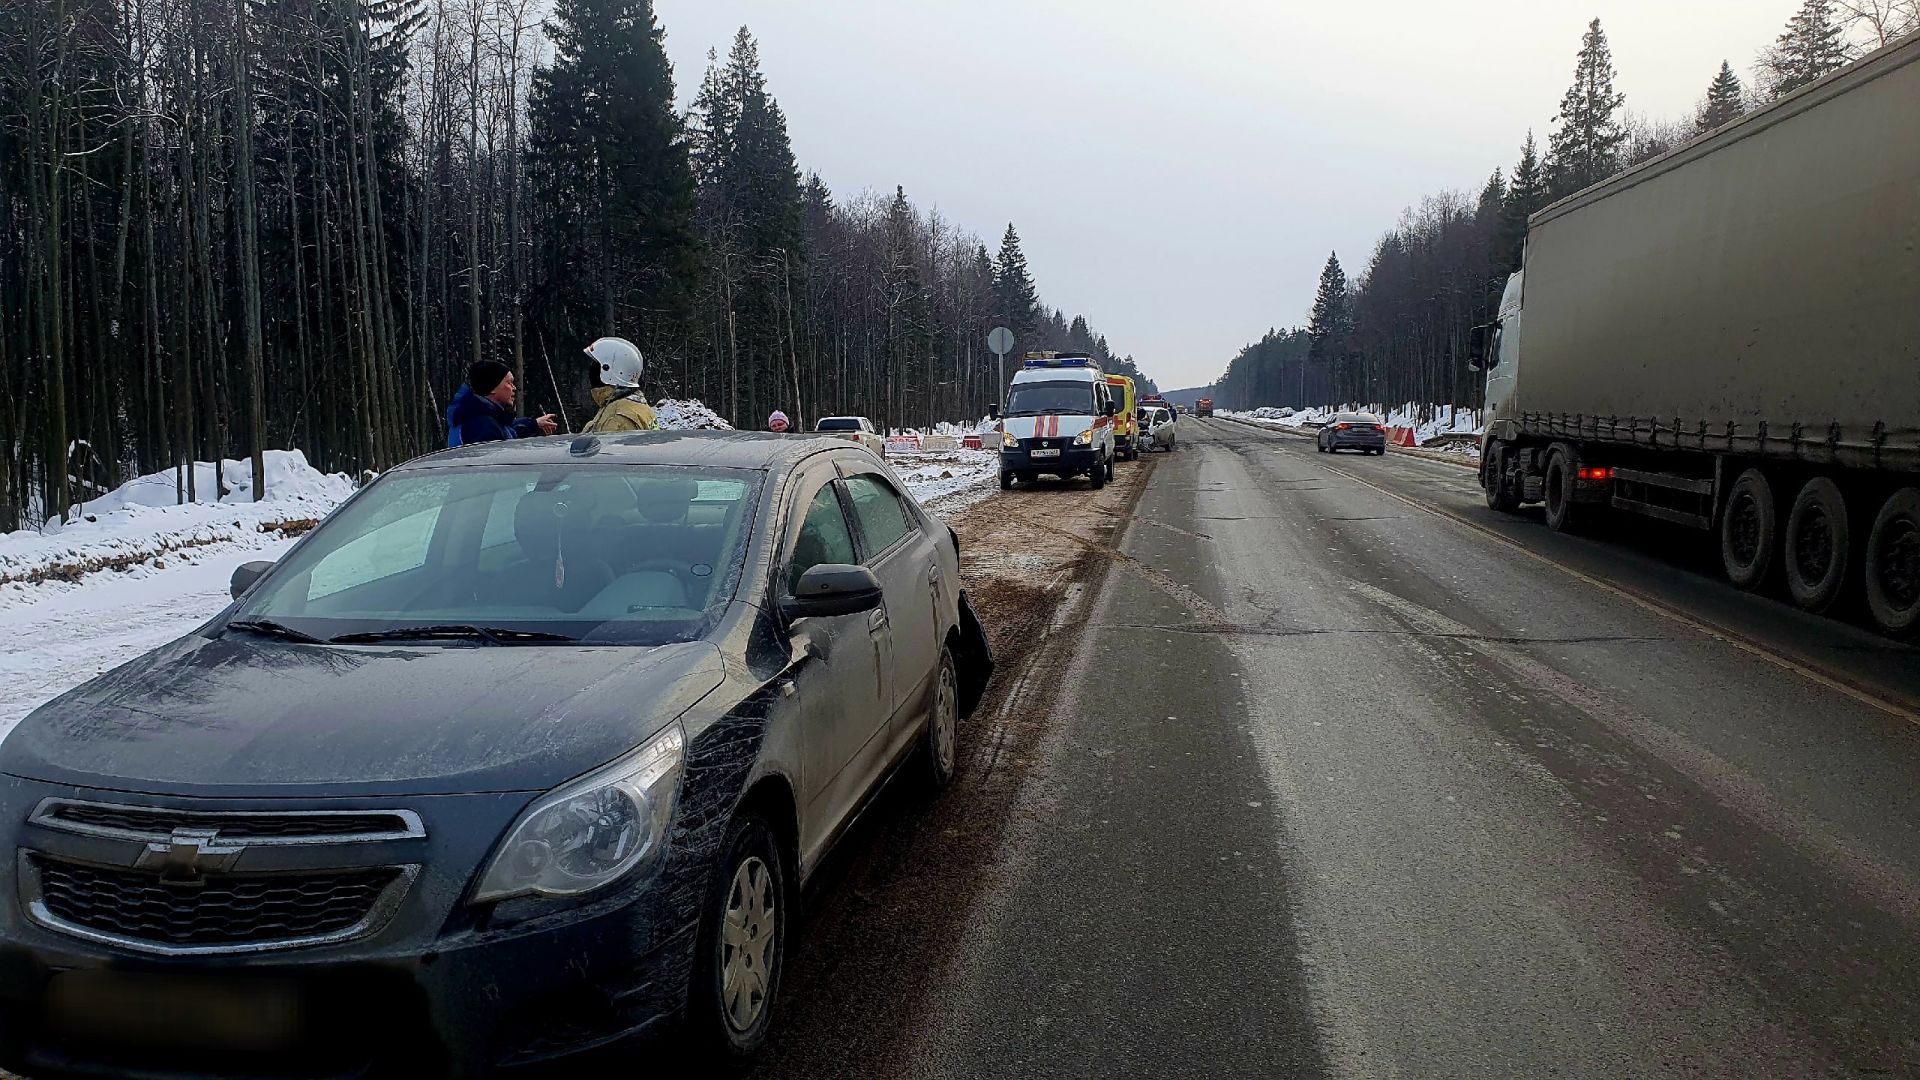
column 1893, row 563
column 1006, row 480
column 1109, row 467
column 940, row 742
column 741, row 944
column 1815, row 553
column 1098, row 476
column 1749, row 527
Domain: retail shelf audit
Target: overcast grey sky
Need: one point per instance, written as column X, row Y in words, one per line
column 1179, row 171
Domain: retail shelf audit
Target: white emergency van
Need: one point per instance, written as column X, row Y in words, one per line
column 1058, row 421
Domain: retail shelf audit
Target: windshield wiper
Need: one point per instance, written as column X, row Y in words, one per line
column 269, row 628
column 492, row 635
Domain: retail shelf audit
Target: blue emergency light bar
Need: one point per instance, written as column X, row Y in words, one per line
column 1062, row 361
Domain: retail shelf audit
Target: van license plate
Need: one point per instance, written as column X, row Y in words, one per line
column 1045, row 453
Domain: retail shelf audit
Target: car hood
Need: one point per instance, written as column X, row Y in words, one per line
column 244, row 716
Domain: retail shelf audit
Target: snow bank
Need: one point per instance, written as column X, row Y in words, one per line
column 137, row 526
column 947, row 479
column 677, row 414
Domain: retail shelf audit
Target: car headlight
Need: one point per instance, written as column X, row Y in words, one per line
column 1008, row 442
column 1085, row 438
column 591, row 831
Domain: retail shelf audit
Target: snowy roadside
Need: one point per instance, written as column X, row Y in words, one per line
column 1437, row 429
column 71, row 630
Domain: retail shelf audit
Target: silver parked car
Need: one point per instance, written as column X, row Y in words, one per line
column 1159, row 428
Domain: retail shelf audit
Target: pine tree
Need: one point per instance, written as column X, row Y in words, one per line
column 612, row 175
column 1726, row 101
column 1812, row 46
column 1526, row 193
column 1015, row 297
column 1585, row 148
column 1331, row 329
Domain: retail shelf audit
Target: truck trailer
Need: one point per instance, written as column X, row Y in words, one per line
column 1728, row 337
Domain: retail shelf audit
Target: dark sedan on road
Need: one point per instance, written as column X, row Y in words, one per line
column 1352, row 431
column 525, row 751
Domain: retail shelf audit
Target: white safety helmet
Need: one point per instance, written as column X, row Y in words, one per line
column 619, row 359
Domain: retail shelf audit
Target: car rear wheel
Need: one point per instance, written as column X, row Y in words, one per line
column 1817, row 544
column 742, row 944
column 1747, row 528
column 939, row 745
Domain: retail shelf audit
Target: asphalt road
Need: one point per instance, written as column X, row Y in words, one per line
column 1341, row 774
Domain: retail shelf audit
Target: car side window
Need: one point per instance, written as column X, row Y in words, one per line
column 824, row 537
column 877, row 507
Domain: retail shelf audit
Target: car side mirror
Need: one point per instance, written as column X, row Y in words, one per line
column 245, row 575
column 833, row 589
column 1113, row 409
column 993, row 411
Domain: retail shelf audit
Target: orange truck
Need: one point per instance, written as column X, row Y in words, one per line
column 1126, row 426
column 1203, row 406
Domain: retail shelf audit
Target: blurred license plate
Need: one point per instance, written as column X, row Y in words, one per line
column 1045, row 453
column 176, row 1011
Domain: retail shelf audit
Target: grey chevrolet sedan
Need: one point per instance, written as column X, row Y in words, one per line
column 524, row 753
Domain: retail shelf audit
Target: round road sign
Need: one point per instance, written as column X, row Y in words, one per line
column 1000, row 341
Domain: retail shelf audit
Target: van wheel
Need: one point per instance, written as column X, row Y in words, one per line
column 1109, row 466
column 1006, row 480
column 1559, row 491
column 1817, row 544
column 1893, row 563
column 1098, row 477
column 939, row 746
column 1747, row 528
column 741, row 945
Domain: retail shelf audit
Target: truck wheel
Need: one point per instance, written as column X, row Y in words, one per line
column 1559, row 492
column 1893, row 563
column 1501, row 495
column 1747, row 528
column 1817, row 544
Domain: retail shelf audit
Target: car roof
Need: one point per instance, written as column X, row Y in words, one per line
column 713, row 449
column 824, row 419
column 1059, row 374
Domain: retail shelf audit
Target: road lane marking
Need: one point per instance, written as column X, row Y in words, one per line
column 1705, row 627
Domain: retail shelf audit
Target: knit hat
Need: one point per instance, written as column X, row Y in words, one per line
column 778, row 417
column 485, row 375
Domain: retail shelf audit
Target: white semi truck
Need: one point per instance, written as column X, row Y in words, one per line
column 1728, row 337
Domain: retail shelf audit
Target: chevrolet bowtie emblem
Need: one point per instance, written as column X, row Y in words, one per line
column 185, row 857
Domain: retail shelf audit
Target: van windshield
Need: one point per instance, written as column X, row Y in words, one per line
column 630, row 555
column 1041, row 398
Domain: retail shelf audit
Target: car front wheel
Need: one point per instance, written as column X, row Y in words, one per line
column 742, row 944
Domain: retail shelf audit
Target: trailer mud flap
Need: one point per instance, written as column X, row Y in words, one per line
column 973, row 656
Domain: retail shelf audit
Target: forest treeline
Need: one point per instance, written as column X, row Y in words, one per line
column 1399, row 331
column 227, row 225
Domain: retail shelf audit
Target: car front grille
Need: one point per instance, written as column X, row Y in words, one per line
column 217, row 912
column 156, row 823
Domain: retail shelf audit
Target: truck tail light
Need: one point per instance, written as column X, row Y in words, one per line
column 1596, row 474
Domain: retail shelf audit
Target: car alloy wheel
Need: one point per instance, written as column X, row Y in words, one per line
column 942, row 745
column 749, row 937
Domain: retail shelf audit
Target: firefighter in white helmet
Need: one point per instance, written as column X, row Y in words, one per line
column 621, row 405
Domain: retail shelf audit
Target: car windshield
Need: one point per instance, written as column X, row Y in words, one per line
column 643, row 555
column 839, row 423
column 1061, row 396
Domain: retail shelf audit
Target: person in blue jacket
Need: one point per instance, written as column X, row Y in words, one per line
column 482, row 410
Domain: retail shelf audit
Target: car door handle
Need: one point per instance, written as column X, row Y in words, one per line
column 877, row 619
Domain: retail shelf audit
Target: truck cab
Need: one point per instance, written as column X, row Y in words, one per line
column 1503, row 351
column 1058, row 421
